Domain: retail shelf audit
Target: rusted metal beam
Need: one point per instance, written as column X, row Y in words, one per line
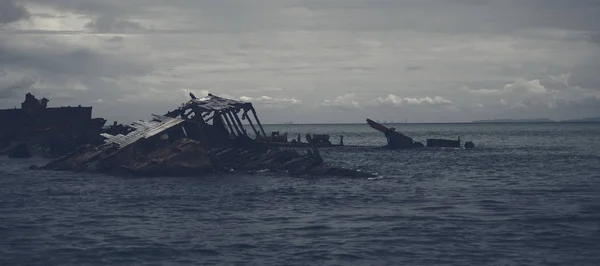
column 235, row 125
column 258, row 122
column 246, row 117
column 237, row 119
column 227, row 122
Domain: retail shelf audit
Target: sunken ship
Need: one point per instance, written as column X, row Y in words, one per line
column 396, row 140
column 38, row 130
column 203, row 136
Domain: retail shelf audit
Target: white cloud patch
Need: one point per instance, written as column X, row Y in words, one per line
column 519, row 86
column 349, row 100
column 552, row 92
column 394, row 100
column 187, row 93
column 532, row 86
column 262, row 90
column 272, row 102
column 352, row 101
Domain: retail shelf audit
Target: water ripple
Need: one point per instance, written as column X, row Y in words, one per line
column 519, row 198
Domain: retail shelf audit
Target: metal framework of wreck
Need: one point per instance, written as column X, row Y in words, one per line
column 204, row 135
column 221, row 116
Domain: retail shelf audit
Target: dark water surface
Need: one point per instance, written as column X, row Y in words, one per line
column 529, row 194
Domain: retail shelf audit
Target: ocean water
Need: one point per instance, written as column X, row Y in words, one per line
column 528, row 194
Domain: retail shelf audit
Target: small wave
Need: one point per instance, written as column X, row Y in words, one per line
column 348, row 256
column 241, row 246
column 206, row 251
column 313, row 228
column 435, row 208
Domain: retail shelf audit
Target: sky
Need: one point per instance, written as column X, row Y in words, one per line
column 311, row 61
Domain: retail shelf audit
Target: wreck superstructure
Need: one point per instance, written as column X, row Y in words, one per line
column 52, row 131
column 36, row 116
column 204, row 135
column 220, row 117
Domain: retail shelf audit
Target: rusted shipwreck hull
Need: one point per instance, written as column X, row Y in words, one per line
column 395, row 140
column 202, row 136
column 38, row 130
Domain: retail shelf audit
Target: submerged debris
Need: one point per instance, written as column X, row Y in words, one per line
column 448, row 143
column 469, row 145
column 317, row 140
column 204, row 135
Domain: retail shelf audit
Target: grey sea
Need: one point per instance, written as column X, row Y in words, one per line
column 528, row 194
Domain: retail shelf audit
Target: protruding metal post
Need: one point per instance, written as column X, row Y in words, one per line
column 259, row 124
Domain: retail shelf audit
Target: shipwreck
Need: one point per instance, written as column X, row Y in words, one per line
column 204, row 135
column 397, row 140
column 38, row 130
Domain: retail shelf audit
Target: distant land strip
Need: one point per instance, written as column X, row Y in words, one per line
column 541, row 120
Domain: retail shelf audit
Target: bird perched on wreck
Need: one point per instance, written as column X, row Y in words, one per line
column 193, row 96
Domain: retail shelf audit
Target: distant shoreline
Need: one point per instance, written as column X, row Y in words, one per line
column 436, row 123
column 540, row 120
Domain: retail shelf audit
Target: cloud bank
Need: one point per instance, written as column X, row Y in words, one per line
column 308, row 61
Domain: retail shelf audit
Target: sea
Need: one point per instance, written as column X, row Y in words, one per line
column 528, row 194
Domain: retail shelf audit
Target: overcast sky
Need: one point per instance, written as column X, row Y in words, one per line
column 313, row 61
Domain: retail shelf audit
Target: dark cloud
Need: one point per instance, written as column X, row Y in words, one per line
column 11, row 12
column 112, row 24
column 66, row 73
column 116, row 39
column 452, row 16
column 55, row 59
column 17, row 87
column 595, row 38
column 409, row 48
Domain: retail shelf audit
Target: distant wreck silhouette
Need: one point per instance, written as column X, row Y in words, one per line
column 397, row 140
